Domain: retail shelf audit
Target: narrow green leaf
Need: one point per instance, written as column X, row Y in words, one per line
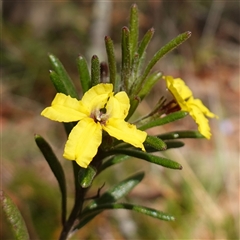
column 144, row 43
column 56, row 168
column 112, row 161
column 118, row 191
column 14, row 217
column 134, row 72
column 126, row 61
column 58, row 84
column 169, row 145
column 64, row 82
column 138, row 59
column 141, row 209
column 163, row 51
column 148, row 157
column 112, row 63
column 181, row 134
column 147, row 123
column 95, row 70
column 134, row 80
column 112, row 195
column 86, row 176
column 133, row 37
column 150, row 82
column 156, row 143
column 174, row 144
column 83, row 73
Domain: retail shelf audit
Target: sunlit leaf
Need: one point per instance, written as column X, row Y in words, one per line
column 140, row 209
column 144, row 43
column 163, row 51
column 126, row 61
column 140, row 83
column 148, row 157
column 86, row 176
column 119, row 190
column 112, row 195
column 156, row 143
column 95, row 71
column 63, row 82
column 133, row 36
column 57, row 82
column 112, row 64
column 148, row 123
column 83, row 72
column 14, row 217
column 138, row 59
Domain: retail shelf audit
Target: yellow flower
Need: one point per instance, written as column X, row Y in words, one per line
column 98, row 110
column 180, row 91
column 188, row 103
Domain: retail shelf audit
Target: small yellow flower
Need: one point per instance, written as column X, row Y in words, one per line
column 98, row 110
column 180, row 91
column 188, row 103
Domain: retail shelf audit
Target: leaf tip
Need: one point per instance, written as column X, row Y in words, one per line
column 36, row 136
column 134, row 6
column 125, row 29
column 94, row 57
column 189, row 33
column 50, row 55
column 107, row 39
column 152, row 30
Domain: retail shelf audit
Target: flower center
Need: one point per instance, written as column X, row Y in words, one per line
column 100, row 115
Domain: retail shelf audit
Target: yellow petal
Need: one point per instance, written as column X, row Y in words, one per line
column 65, row 109
column 97, row 96
column 177, row 85
column 179, row 90
column 118, row 105
column 186, row 101
column 125, row 131
column 198, row 103
column 83, row 142
column 202, row 121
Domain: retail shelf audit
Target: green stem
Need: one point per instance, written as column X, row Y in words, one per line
column 79, row 200
column 80, row 194
column 73, row 216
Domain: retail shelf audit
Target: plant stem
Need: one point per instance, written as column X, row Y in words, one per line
column 74, row 214
column 79, row 200
column 80, row 193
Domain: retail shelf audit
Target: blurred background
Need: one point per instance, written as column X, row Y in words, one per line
column 204, row 196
